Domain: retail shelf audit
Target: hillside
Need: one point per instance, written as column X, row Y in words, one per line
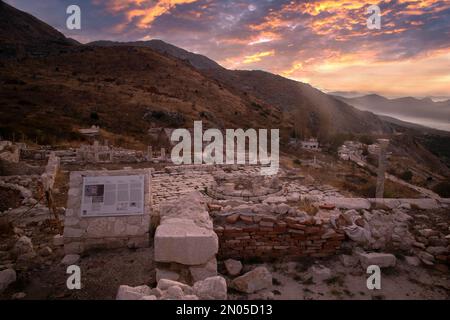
column 21, row 33
column 124, row 90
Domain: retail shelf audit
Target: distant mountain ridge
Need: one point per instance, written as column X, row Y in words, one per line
column 196, row 60
column 406, row 107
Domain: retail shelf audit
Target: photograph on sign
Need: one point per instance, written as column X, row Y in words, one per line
column 113, row 195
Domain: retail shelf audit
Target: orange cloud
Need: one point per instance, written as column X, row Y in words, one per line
column 144, row 10
column 258, row 56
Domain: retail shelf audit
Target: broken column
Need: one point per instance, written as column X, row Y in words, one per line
column 185, row 243
column 149, row 153
column 381, row 168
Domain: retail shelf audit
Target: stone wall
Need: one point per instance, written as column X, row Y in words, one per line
column 269, row 237
column 86, row 233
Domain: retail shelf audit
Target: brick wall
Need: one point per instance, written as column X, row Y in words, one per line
column 268, row 237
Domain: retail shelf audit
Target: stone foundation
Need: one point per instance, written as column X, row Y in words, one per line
column 86, row 233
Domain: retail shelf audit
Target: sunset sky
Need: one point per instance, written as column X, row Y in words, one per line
column 324, row 43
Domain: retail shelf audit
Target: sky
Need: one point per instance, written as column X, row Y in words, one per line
column 321, row 42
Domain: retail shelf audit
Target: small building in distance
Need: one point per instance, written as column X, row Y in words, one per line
column 91, row 132
column 311, row 144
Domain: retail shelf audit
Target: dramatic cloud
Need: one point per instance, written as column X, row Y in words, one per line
column 323, row 42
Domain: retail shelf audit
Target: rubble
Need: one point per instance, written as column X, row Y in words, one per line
column 7, row 277
column 383, row 260
column 213, row 288
column 252, row 281
column 320, row 273
column 70, row 259
column 233, row 267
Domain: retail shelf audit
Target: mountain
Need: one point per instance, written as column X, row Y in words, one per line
column 302, row 103
column 196, row 60
column 423, row 111
column 22, row 33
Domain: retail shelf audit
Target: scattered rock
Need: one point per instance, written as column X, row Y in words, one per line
column 58, row 240
column 213, row 288
column 174, row 293
column 18, row 296
column 132, row 293
column 257, row 279
column 426, row 258
column 202, row 272
column 262, row 295
column 165, row 284
column 166, row 274
column 45, row 252
column 70, row 259
column 234, row 267
column 383, row 260
column 23, row 246
column 348, row 261
column 412, row 261
column 7, row 277
column 320, row 273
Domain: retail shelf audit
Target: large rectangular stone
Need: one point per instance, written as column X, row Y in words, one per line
column 184, row 242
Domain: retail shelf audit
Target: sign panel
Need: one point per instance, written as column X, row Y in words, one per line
column 113, row 195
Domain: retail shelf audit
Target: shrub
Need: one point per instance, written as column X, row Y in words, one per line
column 406, row 175
column 443, row 189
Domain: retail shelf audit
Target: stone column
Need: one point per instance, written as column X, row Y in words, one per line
column 381, row 168
column 149, row 153
column 96, row 155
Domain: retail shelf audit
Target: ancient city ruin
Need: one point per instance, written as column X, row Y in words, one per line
column 207, row 231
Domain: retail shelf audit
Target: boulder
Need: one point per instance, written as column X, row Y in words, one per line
column 174, row 293
column 320, row 273
column 348, row 261
column 262, row 295
column 436, row 251
column 132, row 293
column 204, row 271
column 7, row 277
column 70, row 259
column 383, row 260
column 213, row 288
column 426, row 258
column 23, row 246
column 234, row 267
column 412, row 261
column 58, row 240
column 165, row 284
column 166, row 274
column 257, row 279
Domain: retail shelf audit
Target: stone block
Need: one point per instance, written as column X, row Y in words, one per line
column 184, row 242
